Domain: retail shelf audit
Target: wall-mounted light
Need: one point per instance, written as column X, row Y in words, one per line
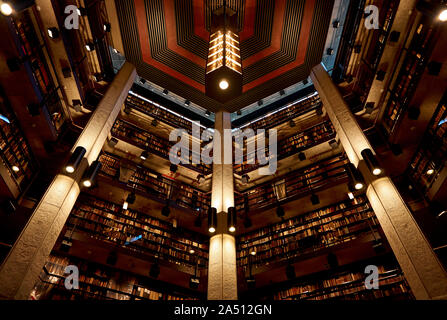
column 15, row 169
column 430, row 171
column 165, row 92
column 90, row 175
column 90, row 46
column 173, row 168
column 187, row 103
column 351, row 195
column 125, row 205
column 371, row 162
column 53, row 32
column 212, row 220
column 144, row 155
column 443, row 15
column 75, row 159
column 355, row 177
column 207, row 113
column 232, row 219
column 81, row 11
column 107, row 27
column 330, row 51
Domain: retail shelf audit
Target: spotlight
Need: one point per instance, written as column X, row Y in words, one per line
column 53, row 33
column 371, row 162
column 239, row 113
column 315, row 199
column 91, row 173
column 351, row 195
column 131, row 198
column 125, row 205
column 81, row 11
column 212, row 219
column 173, row 168
column 107, row 27
column 166, row 211
column 165, row 92
column 194, row 282
column 75, row 159
column 282, row 92
column 142, row 81
column 336, row 24
column 430, row 171
column 187, row 103
column 224, row 84
column 330, row 51
column 355, row 177
column 253, row 251
column 333, row 143
column 98, row 77
column 260, row 103
column 200, row 178
column 15, row 169
column 144, row 155
column 232, row 219
column 443, row 15
column 90, row 46
column 280, row 211
column 192, row 251
column 154, row 272
column 302, row 156
column 245, row 179
column 207, row 113
column 6, row 9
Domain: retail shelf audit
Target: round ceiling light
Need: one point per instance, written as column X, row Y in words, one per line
column 443, row 15
column 224, row 85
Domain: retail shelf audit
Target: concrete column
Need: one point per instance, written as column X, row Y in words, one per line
column 422, row 269
column 25, row 261
column 222, row 275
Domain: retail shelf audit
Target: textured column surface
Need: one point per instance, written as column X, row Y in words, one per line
column 22, row 266
column 222, row 276
column 425, row 274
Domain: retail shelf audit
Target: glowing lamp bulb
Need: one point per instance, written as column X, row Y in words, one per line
column 6, row 9
column 430, row 172
column 359, row 186
column 87, row 183
column 443, row 15
column 377, row 171
column 224, row 85
column 212, row 230
column 69, row 169
column 15, row 169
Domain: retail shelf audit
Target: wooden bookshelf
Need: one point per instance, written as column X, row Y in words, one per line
column 152, row 143
column 159, row 113
column 351, row 286
column 413, row 65
column 153, row 183
column 313, row 231
column 294, row 184
column 108, row 222
column 432, row 152
column 96, row 282
column 14, row 149
column 294, row 144
column 293, row 111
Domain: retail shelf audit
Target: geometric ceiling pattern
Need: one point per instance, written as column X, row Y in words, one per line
column 167, row 40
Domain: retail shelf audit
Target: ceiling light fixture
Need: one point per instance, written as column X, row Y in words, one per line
column 6, row 9
column 144, row 155
column 371, row 162
column 430, row 171
column 212, row 220
column 355, row 177
column 223, row 79
column 232, row 219
column 15, row 169
column 443, row 15
column 90, row 175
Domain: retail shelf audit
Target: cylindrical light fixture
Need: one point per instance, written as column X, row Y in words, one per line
column 90, row 175
column 212, row 220
column 371, row 162
column 355, row 177
column 232, row 219
column 75, row 159
column 144, row 155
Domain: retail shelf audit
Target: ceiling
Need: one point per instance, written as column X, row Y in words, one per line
column 281, row 41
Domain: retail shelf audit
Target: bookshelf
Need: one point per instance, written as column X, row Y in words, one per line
column 413, row 65
column 158, row 113
column 108, row 222
column 309, row 232
column 34, row 50
column 14, row 149
column 96, row 282
column 293, row 111
column 350, row 285
column 295, row 184
column 431, row 153
column 152, row 143
column 153, row 183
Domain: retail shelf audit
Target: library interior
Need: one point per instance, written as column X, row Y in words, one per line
column 351, row 94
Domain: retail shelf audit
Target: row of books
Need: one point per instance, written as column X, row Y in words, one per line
column 350, row 286
column 295, row 110
column 295, row 144
column 293, row 184
column 135, row 232
column 158, row 113
column 95, row 282
column 411, row 70
column 152, row 143
column 321, row 228
column 151, row 182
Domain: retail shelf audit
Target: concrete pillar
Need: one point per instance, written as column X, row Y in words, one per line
column 22, row 266
column 422, row 269
column 222, row 275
